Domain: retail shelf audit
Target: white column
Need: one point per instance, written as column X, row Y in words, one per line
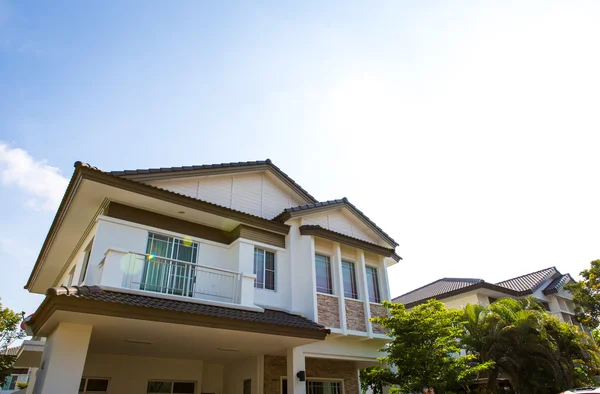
column 364, row 290
column 63, row 359
column 339, row 283
column 295, row 363
column 385, row 285
column 31, row 382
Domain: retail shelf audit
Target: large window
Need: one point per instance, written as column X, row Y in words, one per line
column 93, row 385
column 349, row 275
column 373, row 284
column 323, row 272
column 162, row 386
column 316, row 386
column 264, row 268
column 161, row 273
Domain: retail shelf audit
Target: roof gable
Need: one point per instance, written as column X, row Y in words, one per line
column 529, row 282
column 144, row 175
column 362, row 227
column 437, row 288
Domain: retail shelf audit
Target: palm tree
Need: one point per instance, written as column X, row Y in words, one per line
column 533, row 350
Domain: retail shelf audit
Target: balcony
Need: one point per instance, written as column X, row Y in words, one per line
column 171, row 277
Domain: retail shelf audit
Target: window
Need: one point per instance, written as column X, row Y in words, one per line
column 93, row 385
column 248, row 386
column 373, row 284
column 71, row 275
column 323, row 273
column 161, row 273
column 264, row 268
column 10, row 382
column 159, row 386
column 349, row 275
column 315, row 386
column 323, row 387
column 86, row 261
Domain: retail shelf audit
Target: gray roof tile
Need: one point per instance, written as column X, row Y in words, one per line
column 269, row 316
column 557, row 284
column 529, row 282
column 437, row 288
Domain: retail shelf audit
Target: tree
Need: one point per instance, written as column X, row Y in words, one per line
column 10, row 330
column 536, row 352
column 425, row 351
column 586, row 296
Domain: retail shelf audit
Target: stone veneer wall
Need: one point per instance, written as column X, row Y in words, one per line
column 276, row 367
column 329, row 310
column 355, row 315
column 378, row 310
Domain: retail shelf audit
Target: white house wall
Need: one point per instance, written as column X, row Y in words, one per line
column 77, row 261
column 236, row 373
column 130, row 374
column 342, row 222
column 255, row 193
column 212, row 378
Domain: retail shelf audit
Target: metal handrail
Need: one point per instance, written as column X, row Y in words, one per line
column 188, row 287
column 145, row 255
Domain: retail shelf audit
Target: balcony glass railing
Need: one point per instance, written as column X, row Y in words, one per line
column 182, row 278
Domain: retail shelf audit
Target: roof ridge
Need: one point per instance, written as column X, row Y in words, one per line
column 531, row 273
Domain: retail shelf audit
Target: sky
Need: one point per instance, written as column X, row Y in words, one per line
column 469, row 131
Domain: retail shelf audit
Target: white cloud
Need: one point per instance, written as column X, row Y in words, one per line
column 43, row 183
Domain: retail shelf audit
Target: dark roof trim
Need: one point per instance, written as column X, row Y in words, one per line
column 347, row 240
column 289, row 213
column 216, row 169
column 96, row 301
column 85, row 171
column 558, row 284
column 466, row 289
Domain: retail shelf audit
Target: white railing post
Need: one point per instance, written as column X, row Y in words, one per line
column 247, row 289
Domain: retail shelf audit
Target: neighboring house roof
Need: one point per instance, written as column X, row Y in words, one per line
column 222, row 168
column 434, row 289
column 289, row 213
column 529, row 281
column 557, row 284
column 519, row 286
column 195, row 313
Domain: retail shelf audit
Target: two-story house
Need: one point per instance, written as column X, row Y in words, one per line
column 547, row 286
column 222, row 279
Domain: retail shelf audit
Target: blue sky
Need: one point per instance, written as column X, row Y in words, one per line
column 469, row 132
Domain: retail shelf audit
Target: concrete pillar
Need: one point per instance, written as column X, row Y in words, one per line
column 364, row 288
column 338, row 278
column 295, row 363
column 63, row 359
column 31, row 382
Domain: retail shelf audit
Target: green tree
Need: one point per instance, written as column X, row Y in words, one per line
column 9, row 331
column 586, row 296
column 425, row 351
column 536, row 352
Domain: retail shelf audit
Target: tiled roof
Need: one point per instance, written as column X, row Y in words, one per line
column 519, row 286
column 11, row 351
column 529, row 282
column 434, row 289
column 557, row 284
column 283, row 216
column 266, row 162
column 269, row 316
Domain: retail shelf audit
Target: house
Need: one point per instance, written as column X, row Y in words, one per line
column 28, row 353
column 222, row 279
column 17, row 374
column 547, row 286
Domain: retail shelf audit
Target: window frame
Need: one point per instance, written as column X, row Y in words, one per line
column 264, row 269
column 377, row 282
column 354, row 293
column 87, row 253
column 340, row 380
column 329, row 278
column 71, row 276
column 87, row 378
column 195, row 383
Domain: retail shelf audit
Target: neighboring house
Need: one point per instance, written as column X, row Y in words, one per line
column 547, row 286
column 222, row 279
column 18, row 374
